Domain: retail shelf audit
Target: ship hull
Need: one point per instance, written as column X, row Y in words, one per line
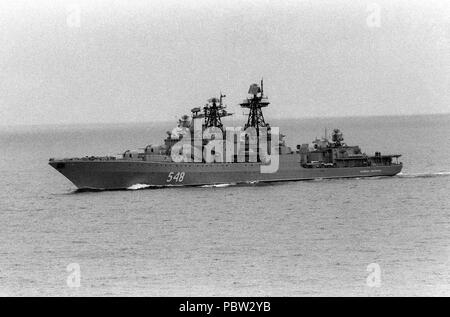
column 121, row 174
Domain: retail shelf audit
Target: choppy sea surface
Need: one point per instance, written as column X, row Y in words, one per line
column 286, row 239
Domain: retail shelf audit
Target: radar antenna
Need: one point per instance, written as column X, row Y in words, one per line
column 255, row 118
column 337, row 137
column 255, row 104
column 213, row 111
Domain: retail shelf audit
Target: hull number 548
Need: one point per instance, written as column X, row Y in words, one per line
column 175, row 177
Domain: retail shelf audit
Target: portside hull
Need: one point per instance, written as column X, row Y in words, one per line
column 120, row 174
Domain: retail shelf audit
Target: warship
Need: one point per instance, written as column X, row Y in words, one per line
column 201, row 151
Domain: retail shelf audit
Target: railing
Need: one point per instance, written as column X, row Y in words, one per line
column 86, row 158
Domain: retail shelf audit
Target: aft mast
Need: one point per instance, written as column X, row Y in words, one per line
column 255, row 119
column 255, row 103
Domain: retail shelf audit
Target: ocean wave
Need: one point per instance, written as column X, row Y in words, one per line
column 422, row 175
column 218, row 185
column 371, row 178
column 139, row 186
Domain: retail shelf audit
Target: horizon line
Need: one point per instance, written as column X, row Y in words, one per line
column 23, row 125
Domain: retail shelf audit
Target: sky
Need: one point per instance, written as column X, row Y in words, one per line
column 93, row 61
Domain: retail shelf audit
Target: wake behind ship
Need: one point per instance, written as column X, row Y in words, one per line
column 255, row 148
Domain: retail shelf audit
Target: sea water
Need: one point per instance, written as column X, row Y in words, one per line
column 367, row 236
